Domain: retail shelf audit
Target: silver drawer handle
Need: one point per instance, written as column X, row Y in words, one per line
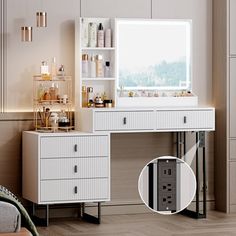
column 124, row 120
column 185, row 119
column 76, row 147
column 76, row 189
column 75, row 169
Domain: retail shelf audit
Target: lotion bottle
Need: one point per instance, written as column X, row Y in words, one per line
column 92, row 67
column 92, row 34
column 85, row 67
column 108, row 38
column 99, row 66
column 53, row 67
column 100, row 36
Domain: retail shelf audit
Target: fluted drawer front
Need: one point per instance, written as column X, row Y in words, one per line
column 78, row 189
column 83, row 146
column 130, row 120
column 66, row 168
column 191, row 119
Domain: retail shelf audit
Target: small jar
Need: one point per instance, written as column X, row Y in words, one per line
column 108, row 103
column 63, row 121
column 98, row 102
column 53, row 120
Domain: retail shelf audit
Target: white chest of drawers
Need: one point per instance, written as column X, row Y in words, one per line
column 66, row 167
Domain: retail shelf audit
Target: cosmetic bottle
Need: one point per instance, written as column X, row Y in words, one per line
column 107, row 69
column 92, row 33
column 53, row 67
column 99, row 66
column 40, row 92
column 90, row 102
column 84, row 97
column 61, row 70
column 100, row 36
column 85, row 65
column 44, row 68
column 53, row 120
column 84, row 33
column 108, row 38
column 52, row 92
column 63, row 120
column 92, row 67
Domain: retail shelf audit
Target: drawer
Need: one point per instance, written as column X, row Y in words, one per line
column 127, row 120
column 78, row 189
column 190, row 119
column 82, row 146
column 68, row 168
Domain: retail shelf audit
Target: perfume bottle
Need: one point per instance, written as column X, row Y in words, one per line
column 44, row 68
column 107, row 69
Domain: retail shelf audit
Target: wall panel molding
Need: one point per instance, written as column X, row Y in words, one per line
column 2, row 53
column 3, row 41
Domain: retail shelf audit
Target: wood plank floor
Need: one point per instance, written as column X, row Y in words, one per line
column 216, row 224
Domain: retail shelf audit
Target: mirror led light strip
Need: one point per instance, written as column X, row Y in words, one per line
column 2, row 55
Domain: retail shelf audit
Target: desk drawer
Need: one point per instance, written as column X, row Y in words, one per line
column 128, row 120
column 190, row 119
column 78, row 189
column 68, row 168
column 82, row 146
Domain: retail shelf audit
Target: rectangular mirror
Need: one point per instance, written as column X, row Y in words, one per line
column 153, row 54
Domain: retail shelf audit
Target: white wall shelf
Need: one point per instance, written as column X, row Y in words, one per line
column 98, row 78
column 100, row 85
column 97, row 48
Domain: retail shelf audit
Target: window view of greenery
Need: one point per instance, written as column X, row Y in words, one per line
column 165, row 74
column 154, row 54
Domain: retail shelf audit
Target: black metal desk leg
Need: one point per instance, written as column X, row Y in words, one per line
column 197, row 176
column 204, row 175
column 200, row 142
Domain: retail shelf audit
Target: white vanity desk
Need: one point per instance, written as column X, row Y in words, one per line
column 74, row 167
column 162, row 119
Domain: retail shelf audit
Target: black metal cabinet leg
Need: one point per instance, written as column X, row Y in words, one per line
column 89, row 218
column 40, row 221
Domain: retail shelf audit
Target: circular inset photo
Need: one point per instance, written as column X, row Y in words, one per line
column 167, row 185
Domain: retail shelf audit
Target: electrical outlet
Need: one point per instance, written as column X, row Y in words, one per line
column 167, row 202
column 166, row 187
column 167, row 170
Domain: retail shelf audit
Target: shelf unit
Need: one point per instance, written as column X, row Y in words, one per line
column 99, row 84
column 52, row 96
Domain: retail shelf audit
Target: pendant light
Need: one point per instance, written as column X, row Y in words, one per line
column 41, row 18
column 26, row 33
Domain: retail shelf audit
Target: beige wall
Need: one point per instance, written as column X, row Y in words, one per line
column 23, row 59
